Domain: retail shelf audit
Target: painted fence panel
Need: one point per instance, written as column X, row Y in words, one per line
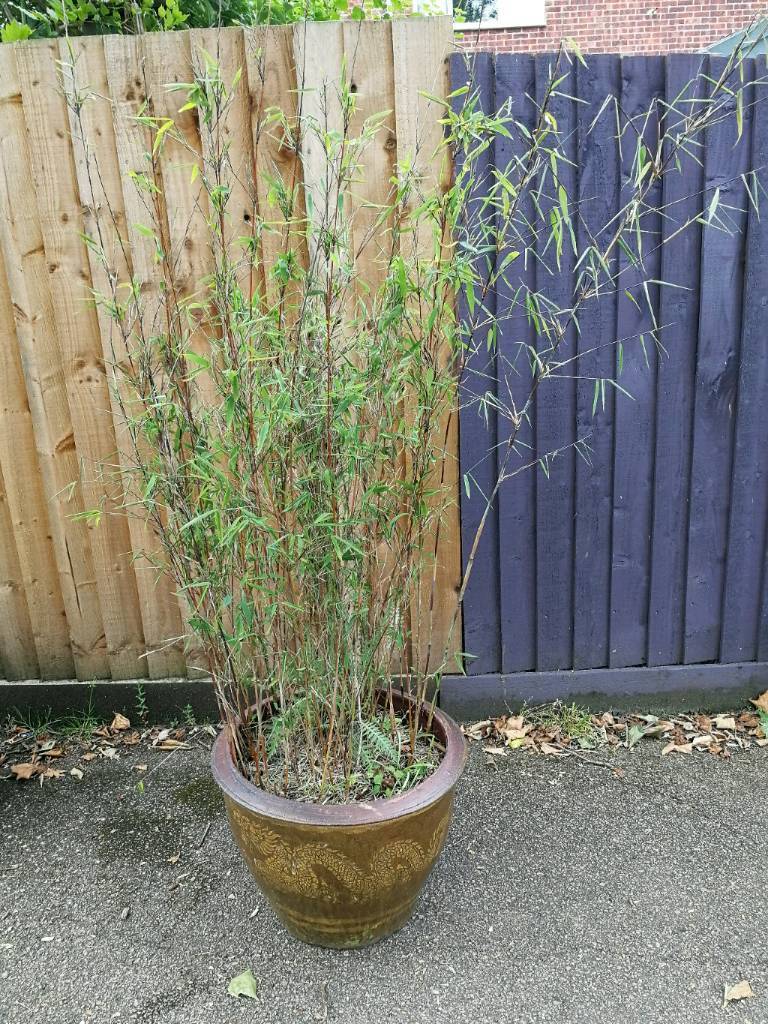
column 516, row 84
column 598, row 196
column 651, row 551
column 478, row 433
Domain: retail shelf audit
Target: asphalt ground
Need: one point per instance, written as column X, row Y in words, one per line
column 567, row 892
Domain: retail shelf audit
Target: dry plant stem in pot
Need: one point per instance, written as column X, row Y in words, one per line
column 343, row 875
column 285, row 425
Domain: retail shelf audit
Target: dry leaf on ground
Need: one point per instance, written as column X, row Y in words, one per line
column 741, row 990
column 761, row 702
column 25, row 770
column 725, row 722
column 120, row 723
column 677, row 748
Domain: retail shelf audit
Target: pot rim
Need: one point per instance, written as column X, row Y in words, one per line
column 363, row 812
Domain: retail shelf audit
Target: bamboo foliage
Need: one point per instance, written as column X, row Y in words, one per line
column 83, row 596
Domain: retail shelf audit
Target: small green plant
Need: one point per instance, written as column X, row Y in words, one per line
column 38, row 721
column 142, row 710
column 189, row 716
column 79, row 725
column 567, row 720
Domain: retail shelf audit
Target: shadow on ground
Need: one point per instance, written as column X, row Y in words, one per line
column 565, row 893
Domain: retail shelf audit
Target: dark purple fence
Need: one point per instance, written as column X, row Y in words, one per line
column 653, row 554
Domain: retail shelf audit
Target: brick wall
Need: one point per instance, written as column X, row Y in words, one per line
column 622, row 26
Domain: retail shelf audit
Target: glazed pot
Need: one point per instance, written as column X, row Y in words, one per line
column 343, row 875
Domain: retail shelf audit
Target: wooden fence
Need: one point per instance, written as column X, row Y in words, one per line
column 73, row 599
column 611, row 574
column 653, row 553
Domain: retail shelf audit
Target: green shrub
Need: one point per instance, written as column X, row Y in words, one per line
column 50, row 18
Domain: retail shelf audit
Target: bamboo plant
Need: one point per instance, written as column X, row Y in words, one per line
column 287, row 422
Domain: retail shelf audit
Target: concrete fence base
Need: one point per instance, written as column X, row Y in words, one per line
column 665, row 689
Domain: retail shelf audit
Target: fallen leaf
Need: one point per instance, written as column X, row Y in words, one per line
column 514, row 744
column 125, row 913
column 478, row 730
column 171, row 745
column 702, row 741
column 110, row 752
column 762, row 743
column 655, row 730
column 499, row 751
column 52, row 773
column 634, row 734
column 139, row 767
column 76, row 772
column 761, row 702
column 174, row 859
column 548, row 748
column 515, row 734
column 741, row 990
column 25, row 770
column 89, row 756
column 119, row 723
column 677, row 748
column 725, row 722
column 244, row 985
column 511, row 728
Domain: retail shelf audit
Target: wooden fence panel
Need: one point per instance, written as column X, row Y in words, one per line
column 28, row 270
column 653, row 553
column 77, row 598
column 28, row 518
column 635, row 370
column 478, row 420
column 420, row 53
column 742, row 601
column 45, row 112
column 598, row 198
column 717, row 372
column 679, row 317
column 516, row 83
column 100, row 185
column 17, row 643
column 556, row 401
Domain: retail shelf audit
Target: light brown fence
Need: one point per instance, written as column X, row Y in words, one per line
column 75, row 599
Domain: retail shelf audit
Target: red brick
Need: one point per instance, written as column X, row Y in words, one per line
column 639, row 26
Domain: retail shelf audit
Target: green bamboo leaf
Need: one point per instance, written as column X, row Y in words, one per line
column 244, row 985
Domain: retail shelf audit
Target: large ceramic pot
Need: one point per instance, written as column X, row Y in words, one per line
column 343, row 875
